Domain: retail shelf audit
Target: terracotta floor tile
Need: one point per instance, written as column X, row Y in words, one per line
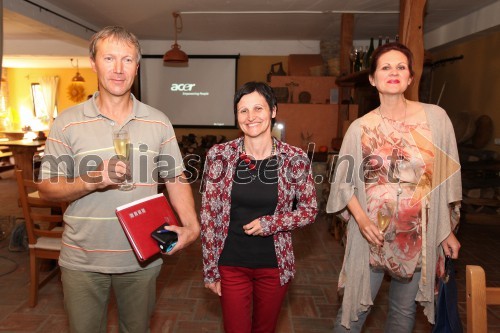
column 201, row 326
column 208, row 310
column 184, row 305
column 55, row 324
column 22, row 322
column 303, row 306
column 309, row 325
column 176, row 305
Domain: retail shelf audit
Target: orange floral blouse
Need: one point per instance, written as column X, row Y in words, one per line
column 395, row 163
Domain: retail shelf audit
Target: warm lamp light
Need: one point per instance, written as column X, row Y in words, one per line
column 77, row 77
column 175, row 55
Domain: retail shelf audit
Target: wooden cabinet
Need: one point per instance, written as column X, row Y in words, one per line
column 308, row 116
column 360, row 91
column 319, row 88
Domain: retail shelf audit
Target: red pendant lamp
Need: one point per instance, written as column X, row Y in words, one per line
column 175, row 55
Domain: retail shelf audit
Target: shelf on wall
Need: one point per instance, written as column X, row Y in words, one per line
column 307, row 104
column 353, row 78
column 319, row 87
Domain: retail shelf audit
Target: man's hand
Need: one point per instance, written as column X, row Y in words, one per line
column 181, row 198
column 185, row 236
column 109, row 173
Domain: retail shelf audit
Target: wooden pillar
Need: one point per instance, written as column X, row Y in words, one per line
column 346, row 32
column 411, row 34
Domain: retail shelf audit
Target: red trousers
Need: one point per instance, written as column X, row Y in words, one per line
column 244, row 289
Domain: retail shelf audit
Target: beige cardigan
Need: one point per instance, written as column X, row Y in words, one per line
column 356, row 268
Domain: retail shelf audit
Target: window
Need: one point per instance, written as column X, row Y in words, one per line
column 39, row 105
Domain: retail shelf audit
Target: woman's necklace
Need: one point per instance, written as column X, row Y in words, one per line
column 248, row 160
column 395, row 158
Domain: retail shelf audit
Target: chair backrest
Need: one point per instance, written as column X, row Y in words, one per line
column 42, row 217
column 478, row 297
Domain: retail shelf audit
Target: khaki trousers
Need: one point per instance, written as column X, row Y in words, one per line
column 87, row 295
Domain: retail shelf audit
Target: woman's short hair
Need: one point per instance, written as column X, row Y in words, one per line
column 263, row 89
column 260, row 87
column 116, row 32
column 394, row 46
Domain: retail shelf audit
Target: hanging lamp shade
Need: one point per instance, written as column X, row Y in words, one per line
column 175, row 55
column 78, row 77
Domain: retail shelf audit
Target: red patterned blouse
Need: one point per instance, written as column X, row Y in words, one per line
column 295, row 182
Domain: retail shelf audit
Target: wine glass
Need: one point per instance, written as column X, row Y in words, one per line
column 352, row 57
column 121, row 142
column 384, row 217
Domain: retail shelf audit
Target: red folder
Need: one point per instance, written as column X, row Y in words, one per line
column 141, row 217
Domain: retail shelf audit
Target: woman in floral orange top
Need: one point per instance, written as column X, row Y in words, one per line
column 399, row 165
column 402, row 205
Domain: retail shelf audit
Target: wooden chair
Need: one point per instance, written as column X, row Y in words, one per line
column 44, row 228
column 478, row 297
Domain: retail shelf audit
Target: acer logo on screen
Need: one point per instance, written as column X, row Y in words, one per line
column 182, row 86
column 198, row 95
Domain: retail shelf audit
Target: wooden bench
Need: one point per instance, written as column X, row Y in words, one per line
column 478, row 297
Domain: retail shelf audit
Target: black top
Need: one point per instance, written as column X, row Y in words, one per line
column 254, row 194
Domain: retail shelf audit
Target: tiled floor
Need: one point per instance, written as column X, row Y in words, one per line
column 184, row 305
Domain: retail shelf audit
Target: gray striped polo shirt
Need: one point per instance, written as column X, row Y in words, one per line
column 80, row 138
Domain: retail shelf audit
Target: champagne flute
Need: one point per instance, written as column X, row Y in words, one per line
column 384, row 218
column 121, row 142
column 352, row 57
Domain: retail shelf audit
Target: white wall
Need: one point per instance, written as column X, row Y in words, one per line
column 76, row 45
column 483, row 19
column 242, row 47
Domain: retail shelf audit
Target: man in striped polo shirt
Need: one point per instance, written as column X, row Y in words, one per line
column 80, row 166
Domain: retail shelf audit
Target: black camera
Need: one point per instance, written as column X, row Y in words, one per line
column 166, row 239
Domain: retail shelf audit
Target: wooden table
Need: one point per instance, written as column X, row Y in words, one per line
column 23, row 152
column 13, row 135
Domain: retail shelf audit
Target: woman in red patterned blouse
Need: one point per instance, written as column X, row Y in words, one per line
column 256, row 189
